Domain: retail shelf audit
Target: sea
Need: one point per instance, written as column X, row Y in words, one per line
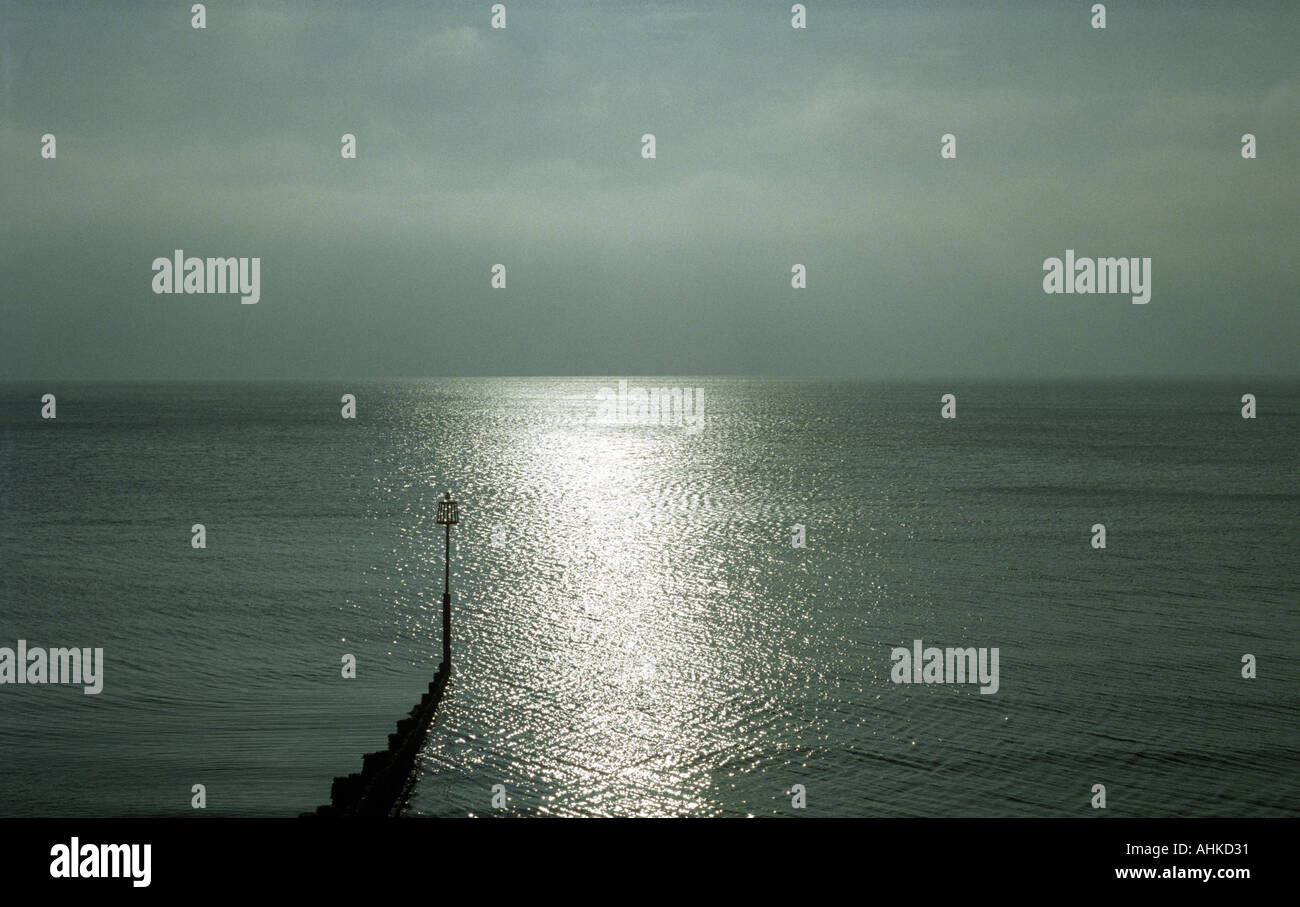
column 651, row 618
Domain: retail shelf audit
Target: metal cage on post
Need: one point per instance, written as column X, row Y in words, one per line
column 448, row 512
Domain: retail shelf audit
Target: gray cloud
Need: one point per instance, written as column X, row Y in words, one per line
column 522, row 147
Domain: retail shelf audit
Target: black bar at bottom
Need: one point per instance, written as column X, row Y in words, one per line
column 870, row 856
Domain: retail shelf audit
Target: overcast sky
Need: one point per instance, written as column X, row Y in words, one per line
column 522, row 146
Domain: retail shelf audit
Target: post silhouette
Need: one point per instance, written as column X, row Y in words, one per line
column 448, row 516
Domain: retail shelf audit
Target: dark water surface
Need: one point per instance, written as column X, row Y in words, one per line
column 635, row 633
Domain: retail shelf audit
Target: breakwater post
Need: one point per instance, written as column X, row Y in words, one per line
column 448, row 516
column 387, row 777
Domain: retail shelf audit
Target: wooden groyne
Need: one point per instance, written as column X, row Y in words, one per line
column 387, row 777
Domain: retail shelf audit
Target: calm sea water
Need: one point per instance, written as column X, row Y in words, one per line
column 635, row 634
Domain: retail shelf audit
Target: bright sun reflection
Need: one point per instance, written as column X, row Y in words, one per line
column 625, row 674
